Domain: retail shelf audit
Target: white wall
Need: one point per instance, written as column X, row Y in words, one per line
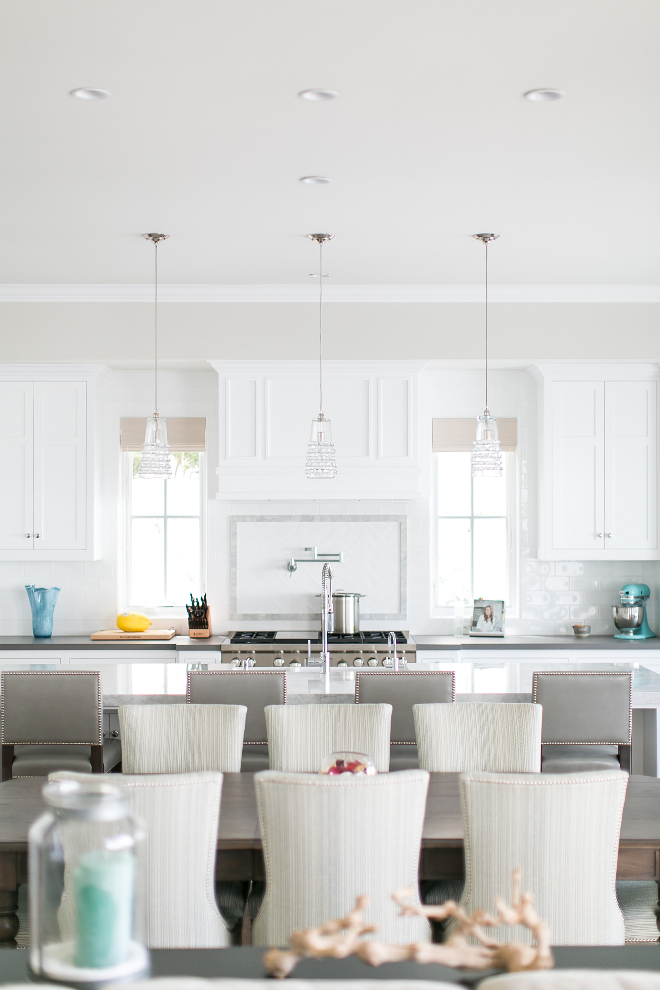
column 553, row 595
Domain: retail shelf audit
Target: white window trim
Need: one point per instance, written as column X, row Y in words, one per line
column 513, row 539
column 162, row 611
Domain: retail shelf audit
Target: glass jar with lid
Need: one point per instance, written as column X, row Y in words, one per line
column 87, row 886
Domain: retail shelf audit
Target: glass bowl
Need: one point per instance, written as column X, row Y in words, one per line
column 355, row 763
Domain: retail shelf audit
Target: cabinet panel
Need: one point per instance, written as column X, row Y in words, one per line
column 60, row 465
column 630, row 465
column 242, row 417
column 393, row 399
column 16, row 460
column 577, row 465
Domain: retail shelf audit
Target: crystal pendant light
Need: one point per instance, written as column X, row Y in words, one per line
column 486, row 453
column 155, row 461
column 321, row 461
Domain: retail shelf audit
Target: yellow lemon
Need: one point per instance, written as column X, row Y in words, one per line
column 133, row 622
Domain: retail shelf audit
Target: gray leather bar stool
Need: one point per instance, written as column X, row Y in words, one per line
column 402, row 689
column 52, row 720
column 253, row 688
column 587, row 720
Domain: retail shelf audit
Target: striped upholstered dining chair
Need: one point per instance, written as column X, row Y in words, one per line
column 329, row 839
column 182, row 812
column 181, row 738
column 301, row 736
column 502, row 738
column 562, row 831
column 402, row 689
column 253, row 688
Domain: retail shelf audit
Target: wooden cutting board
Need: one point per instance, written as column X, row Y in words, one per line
column 147, row 634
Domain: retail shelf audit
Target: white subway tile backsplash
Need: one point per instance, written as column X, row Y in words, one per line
column 584, row 613
column 568, row 598
column 556, row 583
column 537, row 598
column 586, row 584
column 570, row 567
column 555, row 612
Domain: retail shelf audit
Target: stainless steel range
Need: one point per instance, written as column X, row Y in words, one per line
column 295, row 649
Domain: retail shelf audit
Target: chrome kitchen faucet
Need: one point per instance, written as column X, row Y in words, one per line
column 391, row 641
column 326, row 616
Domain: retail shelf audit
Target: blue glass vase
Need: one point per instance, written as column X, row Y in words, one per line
column 42, row 603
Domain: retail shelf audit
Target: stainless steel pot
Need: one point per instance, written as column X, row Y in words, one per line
column 346, row 611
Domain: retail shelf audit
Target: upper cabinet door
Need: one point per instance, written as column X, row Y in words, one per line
column 631, row 466
column 60, row 465
column 578, row 521
column 16, row 459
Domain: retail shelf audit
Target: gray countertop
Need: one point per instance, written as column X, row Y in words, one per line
column 85, row 643
column 423, row 642
column 466, row 643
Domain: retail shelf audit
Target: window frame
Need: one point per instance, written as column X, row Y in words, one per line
column 513, row 537
column 157, row 611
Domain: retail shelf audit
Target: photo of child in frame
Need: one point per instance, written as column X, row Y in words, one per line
column 487, row 618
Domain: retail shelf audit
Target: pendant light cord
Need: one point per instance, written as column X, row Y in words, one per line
column 156, row 328
column 320, row 329
column 486, row 243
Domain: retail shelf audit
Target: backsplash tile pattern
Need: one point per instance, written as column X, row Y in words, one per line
column 374, row 564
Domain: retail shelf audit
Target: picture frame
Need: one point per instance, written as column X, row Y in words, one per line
column 487, row 617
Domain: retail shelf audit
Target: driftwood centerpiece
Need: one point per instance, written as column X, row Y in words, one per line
column 342, row 937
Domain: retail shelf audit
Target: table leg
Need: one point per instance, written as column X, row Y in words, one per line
column 9, row 880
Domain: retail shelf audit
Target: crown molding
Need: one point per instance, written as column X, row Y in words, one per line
column 52, row 372
column 540, row 293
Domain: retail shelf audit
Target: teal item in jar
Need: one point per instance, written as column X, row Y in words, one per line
column 103, row 885
column 42, row 603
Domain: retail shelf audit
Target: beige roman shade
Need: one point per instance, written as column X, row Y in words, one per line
column 459, row 434
column 183, row 433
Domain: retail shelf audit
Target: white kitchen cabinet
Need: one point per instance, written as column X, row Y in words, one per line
column 266, row 410
column 50, row 451
column 598, row 463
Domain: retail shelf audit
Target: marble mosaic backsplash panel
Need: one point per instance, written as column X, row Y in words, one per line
column 374, row 564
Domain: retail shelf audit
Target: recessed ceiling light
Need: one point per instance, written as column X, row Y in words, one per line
column 315, row 180
column 544, row 95
column 90, row 94
column 318, row 94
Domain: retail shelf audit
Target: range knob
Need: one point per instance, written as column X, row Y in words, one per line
column 278, row 662
column 251, row 662
column 388, row 661
column 372, row 662
column 342, row 663
column 236, row 661
column 358, row 662
column 295, row 663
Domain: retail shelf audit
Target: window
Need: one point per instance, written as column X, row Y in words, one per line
column 475, row 532
column 164, row 533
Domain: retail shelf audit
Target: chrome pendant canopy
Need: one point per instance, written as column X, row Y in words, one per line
column 155, row 461
column 486, row 453
column 321, row 461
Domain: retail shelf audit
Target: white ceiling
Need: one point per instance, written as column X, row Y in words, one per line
column 431, row 140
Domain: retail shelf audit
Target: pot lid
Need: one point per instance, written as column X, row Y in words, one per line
column 340, row 593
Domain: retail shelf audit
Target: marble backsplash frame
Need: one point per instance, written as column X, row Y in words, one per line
column 402, row 521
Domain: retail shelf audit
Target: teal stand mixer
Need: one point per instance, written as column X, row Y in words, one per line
column 630, row 616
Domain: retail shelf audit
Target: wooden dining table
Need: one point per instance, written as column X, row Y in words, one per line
column 239, row 849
